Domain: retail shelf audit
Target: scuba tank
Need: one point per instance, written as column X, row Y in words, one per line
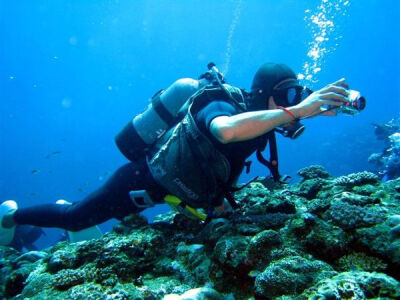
column 161, row 114
column 166, row 109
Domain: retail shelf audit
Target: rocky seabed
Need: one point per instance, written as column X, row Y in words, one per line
column 322, row 238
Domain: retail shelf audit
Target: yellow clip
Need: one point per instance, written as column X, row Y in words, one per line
column 188, row 211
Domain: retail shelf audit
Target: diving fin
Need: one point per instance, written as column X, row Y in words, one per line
column 93, row 232
column 7, row 234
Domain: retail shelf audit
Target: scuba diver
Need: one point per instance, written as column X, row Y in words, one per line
column 190, row 145
column 388, row 161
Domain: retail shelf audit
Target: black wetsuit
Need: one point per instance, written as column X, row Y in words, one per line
column 112, row 199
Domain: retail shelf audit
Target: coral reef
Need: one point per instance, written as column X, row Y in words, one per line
column 290, row 275
column 360, row 261
column 322, row 238
column 354, row 285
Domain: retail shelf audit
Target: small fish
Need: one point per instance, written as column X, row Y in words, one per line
column 35, row 171
column 52, row 154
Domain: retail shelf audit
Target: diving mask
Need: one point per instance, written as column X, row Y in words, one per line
column 289, row 93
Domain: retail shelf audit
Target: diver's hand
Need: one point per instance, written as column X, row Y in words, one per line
column 333, row 94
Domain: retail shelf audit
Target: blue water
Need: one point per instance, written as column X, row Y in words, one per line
column 72, row 73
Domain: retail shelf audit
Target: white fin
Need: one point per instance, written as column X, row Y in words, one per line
column 6, row 234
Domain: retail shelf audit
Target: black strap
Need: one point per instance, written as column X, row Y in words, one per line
column 160, row 109
column 272, row 164
column 247, row 164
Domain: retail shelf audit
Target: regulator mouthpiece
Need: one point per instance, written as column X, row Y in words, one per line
column 293, row 130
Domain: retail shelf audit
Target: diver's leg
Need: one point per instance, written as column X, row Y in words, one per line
column 110, row 201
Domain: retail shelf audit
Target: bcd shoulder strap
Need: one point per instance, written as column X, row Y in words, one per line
column 230, row 94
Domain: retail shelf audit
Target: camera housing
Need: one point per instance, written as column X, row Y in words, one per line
column 356, row 103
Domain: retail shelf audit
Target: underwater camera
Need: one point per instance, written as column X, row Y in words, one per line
column 356, row 104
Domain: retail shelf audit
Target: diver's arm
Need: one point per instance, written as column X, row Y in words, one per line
column 248, row 125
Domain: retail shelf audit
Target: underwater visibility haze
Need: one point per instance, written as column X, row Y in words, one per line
column 73, row 73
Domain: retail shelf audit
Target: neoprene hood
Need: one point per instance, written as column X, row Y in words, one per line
column 266, row 78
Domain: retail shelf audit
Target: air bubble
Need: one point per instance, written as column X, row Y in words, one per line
column 73, row 41
column 232, row 28
column 66, row 102
column 321, row 23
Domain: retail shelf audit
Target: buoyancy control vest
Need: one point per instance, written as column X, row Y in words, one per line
column 186, row 163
